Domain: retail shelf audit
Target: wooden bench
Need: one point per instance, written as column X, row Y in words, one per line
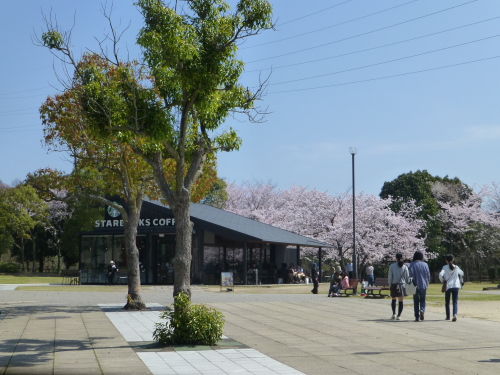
column 381, row 284
column 353, row 286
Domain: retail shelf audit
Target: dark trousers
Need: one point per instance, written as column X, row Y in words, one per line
column 419, row 301
column 111, row 278
column 315, row 288
column 454, row 295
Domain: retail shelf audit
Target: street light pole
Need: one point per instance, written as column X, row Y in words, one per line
column 353, row 151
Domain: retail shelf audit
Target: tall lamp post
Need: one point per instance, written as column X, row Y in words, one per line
column 353, row 151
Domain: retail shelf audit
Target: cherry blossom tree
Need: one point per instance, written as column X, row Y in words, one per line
column 462, row 214
column 380, row 232
column 3, row 186
column 470, row 227
column 59, row 212
column 493, row 202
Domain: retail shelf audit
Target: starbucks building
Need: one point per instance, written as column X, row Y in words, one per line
column 222, row 241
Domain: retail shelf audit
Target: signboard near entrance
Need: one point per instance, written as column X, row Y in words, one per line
column 227, row 281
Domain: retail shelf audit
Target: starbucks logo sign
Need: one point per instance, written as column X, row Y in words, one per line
column 113, row 212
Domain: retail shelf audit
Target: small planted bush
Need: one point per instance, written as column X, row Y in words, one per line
column 9, row 267
column 188, row 324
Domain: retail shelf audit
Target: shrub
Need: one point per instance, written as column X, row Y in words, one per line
column 492, row 273
column 9, row 267
column 189, row 324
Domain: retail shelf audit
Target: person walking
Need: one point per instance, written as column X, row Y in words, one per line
column 452, row 275
column 315, row 278
column 370, row 276
column 419, row 270
column 398, row 275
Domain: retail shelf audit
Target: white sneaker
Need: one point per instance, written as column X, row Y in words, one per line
column 393, row 316
column 398, row 317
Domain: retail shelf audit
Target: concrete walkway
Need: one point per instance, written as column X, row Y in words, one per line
column 69, row 333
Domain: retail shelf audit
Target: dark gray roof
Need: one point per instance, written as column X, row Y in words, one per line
column 241, row 228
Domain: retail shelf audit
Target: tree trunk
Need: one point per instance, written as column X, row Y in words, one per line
column 34, row 253
column 21, row 249
column 134, row 300
column 58, row 260
column 40, row 264
column 182, row 259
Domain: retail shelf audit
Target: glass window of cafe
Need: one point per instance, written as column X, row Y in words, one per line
column 98, row 251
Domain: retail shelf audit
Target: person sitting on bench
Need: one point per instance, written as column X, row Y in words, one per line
column 344, row 283
column 336, row 277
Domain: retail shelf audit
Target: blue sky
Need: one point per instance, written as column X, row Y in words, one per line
column 412, row 84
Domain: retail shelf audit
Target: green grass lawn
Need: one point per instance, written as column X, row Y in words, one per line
column 468, row 287
column 30, row 278
column 471, row 291
column 76, row 288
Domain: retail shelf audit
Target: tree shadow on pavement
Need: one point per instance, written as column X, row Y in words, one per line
column 34, row 352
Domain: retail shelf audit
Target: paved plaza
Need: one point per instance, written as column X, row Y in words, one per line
column 51, row 332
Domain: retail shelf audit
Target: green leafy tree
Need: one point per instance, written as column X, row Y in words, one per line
column 217, row 195
column 169, row 109
column 418, row 186
column 103, row 169
column 21, row 210
column 84, row 214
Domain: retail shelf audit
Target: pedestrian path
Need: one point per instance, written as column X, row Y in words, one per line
column 138, row 326
column 215, row 362
column 14, row 286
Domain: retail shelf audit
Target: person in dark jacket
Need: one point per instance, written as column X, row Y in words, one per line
column 335, row 280
column 419, row 271
column 111, row 273
column 283, row 273
column 315, row 278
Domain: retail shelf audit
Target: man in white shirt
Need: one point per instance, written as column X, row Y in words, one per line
column 349, row 269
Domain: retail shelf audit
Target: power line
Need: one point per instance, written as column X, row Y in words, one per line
column 373, row 48
column 362, row 34
column 17, row 110
column 329, row 27
column 319, row 11
column 24, row 97
column 386, row 62
column 22, row 126
column 17, row 131
column 24, row 71
column 20, row 92
column 386, row 77
column 17, row 114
